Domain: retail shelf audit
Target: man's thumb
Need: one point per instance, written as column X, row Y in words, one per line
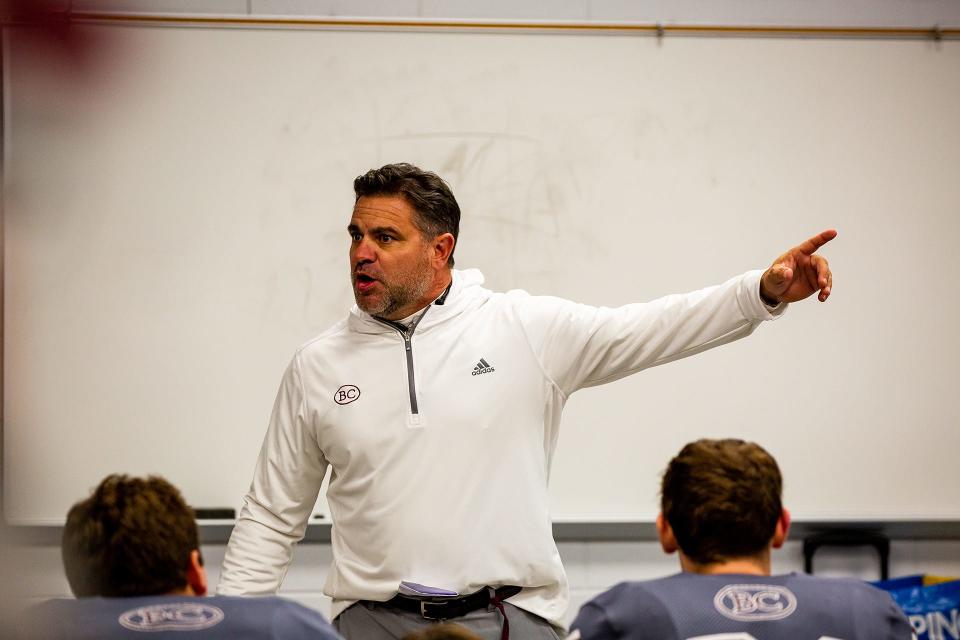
column 780, row 275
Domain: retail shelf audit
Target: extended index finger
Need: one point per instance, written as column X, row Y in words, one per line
column 810, row 246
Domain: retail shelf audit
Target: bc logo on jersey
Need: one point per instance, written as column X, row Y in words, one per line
column 177, row 616
column 748, row 602
column 346, row 394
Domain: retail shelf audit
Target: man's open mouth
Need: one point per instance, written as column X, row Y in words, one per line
column 364, row 282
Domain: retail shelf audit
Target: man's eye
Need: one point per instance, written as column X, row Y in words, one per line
column 355, row 236
column 385, row 238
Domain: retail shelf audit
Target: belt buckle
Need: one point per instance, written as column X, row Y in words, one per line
column 423, row 609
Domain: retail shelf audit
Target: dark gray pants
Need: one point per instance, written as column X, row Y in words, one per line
column 374, row 621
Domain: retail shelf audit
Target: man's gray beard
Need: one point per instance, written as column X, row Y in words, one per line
column 398, row 295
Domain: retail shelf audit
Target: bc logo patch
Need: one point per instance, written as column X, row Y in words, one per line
column 177, row 616
column 748, row 602
column 346, row 394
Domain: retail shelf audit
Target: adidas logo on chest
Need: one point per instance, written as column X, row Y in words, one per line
column 482, row 367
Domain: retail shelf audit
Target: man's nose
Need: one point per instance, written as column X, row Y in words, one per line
column 364, row 251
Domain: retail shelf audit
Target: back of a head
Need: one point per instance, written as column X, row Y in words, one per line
column 722, row 499
column 443, row 631
column 131, row 537
column 436, row 207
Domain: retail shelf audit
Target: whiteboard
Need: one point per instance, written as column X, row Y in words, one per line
column 175, row 227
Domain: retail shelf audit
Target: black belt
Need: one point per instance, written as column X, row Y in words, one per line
column 446, row 608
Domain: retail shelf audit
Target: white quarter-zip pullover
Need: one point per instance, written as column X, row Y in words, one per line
column 441, row 441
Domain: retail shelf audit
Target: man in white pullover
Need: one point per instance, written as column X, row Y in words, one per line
column 437, row 404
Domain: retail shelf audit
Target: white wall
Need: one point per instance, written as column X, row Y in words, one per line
column 591, row 567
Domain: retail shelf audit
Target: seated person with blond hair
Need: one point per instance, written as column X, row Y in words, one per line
column 132, row 558
column 721, row 509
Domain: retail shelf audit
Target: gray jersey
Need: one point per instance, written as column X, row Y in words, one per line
column 174, row 618
column 690, row 606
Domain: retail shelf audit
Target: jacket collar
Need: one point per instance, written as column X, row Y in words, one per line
column 466, row 292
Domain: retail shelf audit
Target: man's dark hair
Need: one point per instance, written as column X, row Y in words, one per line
column 722, row 499
column 437, row 210
column 132, row 537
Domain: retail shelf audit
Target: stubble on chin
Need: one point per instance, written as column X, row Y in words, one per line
column 393, row 297
column 375, row 307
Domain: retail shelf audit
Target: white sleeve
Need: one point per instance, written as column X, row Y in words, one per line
column 582, row 346
column 284, row 489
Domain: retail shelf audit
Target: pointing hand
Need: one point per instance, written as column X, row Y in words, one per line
column 799, row 272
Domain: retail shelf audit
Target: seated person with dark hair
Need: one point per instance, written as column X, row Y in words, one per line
column 721, row 509
column 132, row 558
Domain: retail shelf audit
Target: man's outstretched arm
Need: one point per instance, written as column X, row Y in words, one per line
column 583, row 346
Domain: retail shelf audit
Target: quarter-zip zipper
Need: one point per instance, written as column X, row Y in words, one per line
column 407, row 334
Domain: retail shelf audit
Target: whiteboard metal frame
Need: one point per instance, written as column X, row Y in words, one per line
column 217, row 532
column 934, row 32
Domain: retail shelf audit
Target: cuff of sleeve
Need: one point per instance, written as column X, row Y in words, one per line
column 753, row 307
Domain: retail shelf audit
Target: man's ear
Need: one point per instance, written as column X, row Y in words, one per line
column 782, row 530
column 196, row 574
column 667, row 540
column 442, row 248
